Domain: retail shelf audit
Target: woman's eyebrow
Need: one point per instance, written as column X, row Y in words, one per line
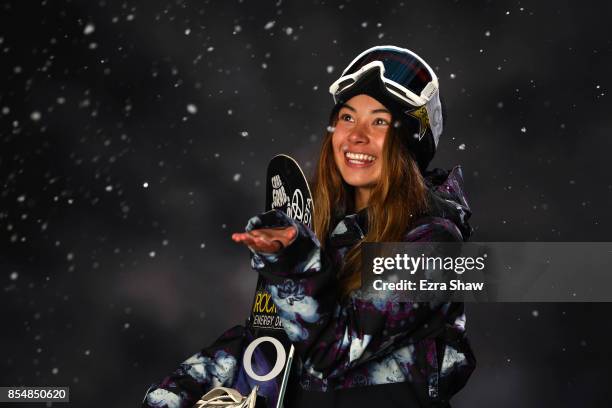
column 382, row 110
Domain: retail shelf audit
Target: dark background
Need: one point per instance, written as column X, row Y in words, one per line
column 107, row 285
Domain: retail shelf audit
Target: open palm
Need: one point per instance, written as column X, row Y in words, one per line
column 270, row 240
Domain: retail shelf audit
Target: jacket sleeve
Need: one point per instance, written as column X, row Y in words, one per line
column 332, row 337
column 214, row 366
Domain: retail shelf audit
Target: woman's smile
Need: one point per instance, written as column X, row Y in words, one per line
column 358, row 160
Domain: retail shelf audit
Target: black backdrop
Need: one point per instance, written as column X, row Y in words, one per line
column 134, row 138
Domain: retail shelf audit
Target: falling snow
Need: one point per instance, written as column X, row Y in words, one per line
column 92, row 105
column 89, row 28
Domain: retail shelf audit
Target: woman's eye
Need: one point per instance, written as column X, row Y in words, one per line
column 346, row 117
column 380, row 121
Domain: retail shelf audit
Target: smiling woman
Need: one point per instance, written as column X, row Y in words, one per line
column 358, row 140
column 371, row 185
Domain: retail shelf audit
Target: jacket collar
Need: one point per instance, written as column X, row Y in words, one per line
column 446, row 200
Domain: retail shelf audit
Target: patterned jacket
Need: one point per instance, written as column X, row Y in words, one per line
column 359, row 341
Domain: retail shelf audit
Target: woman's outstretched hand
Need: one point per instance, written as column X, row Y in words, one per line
column 269, row 240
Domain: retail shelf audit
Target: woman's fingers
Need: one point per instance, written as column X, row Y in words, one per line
column 244, row 238
column 266, row 239
column 257, row 242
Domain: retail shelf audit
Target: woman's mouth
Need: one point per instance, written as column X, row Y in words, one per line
column 358, row 160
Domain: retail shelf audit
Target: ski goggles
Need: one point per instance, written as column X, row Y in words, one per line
column 403, row 73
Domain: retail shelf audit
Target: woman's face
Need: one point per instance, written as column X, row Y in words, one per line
column 358, row 140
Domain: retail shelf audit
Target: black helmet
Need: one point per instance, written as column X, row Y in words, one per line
column 406, row 85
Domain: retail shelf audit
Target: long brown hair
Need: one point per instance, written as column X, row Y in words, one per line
column 395, row 203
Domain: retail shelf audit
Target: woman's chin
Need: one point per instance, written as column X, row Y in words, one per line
column 360, row 182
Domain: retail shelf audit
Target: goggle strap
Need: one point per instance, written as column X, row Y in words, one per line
column 434, row 114
column 430, row 89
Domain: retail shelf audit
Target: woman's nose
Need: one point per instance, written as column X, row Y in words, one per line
column 359, row 134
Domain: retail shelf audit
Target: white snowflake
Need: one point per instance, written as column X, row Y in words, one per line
column 89, row 28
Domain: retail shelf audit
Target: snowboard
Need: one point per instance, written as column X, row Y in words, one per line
column 269, row 354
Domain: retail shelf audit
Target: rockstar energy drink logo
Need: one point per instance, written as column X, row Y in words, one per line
column 263, row 303
column 264, row 312
column 422, row 117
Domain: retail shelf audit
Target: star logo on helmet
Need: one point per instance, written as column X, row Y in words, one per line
column 420, row 114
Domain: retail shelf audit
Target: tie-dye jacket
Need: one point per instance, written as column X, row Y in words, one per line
column 357, row 342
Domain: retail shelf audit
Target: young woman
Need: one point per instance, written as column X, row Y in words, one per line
column 371, row 185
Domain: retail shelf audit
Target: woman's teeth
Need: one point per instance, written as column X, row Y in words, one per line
column 359, row 158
